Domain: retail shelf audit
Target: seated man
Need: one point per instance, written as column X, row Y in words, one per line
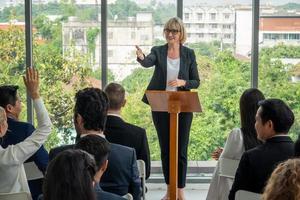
column 120, row 132
column 19, row 131
column 121, row 176
column 273, row 122
column 99, row 148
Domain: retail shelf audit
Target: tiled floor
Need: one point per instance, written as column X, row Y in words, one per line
column 193, row 191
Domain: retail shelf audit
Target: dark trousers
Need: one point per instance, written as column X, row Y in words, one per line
column 161, row 122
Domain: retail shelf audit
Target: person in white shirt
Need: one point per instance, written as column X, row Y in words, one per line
column 12, row 173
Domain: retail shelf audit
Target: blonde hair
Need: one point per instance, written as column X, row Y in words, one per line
column 177, row 24
column 284, row 183
column 2, row 115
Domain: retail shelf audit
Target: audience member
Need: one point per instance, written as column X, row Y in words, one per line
column 70, row 176
column 99, row 148
column 284, row 183
column 121, row 176
column 12, row 174
column 120, row 132
column 19, row 131
column 273, row 122
column 238, row 141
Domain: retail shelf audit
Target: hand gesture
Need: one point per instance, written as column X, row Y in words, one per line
column 177, row 83
column 216, row 154
column 31, row 81
column 139, row 52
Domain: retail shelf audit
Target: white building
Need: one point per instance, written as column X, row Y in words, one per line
column 206, row 24
column 122, row 36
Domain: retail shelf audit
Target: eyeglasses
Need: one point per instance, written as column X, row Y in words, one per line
column 173, row 31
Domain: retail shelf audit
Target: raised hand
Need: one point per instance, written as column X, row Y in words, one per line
column 31, row 81
column 139, row 52
column 216, row 154
column 177, row 83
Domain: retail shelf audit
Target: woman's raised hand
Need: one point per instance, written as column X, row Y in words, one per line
column 139, row 52
column 31, row 81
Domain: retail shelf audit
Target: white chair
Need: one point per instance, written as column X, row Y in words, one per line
column 32, row 171
column 246, row 195
column 142, row 174
column 228, row 167
column 15, row 196
column 128, row 196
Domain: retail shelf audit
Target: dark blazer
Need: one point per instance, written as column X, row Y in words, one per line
column 121, row 176
column 19, row 131
column 257, row 165
column 102, row 195
column 187, row 71
column 120, row 132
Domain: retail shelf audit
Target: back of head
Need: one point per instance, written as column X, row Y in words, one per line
column 92, row 105
column 248, row 108
column 116, row 95
column 8, row 95
column 96, row 146
column 279, row 113
column 70, row 176
column 284, row 183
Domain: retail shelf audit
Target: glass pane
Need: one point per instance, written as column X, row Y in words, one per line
column 67, row 54
column 133, row 23
column 12, row 47
column 279, row 58
column 219, row 32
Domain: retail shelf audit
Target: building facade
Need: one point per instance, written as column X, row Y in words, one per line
column 206, row 24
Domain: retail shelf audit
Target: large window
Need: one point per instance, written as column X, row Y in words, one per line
column 279, row 54
column 224, row 70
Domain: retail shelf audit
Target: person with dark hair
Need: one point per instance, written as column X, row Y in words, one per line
column 120, row 132
column 70, row 176
column 90, row 112
column 19, row 131
column 12, row 174
column 99, row 148
column 284, row 183
column 175, row 69
column 238, row 141
column 273, row 122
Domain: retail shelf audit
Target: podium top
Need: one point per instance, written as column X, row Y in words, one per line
column 160, row 100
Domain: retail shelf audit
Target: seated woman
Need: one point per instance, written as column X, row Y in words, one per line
column 70, row 176
column 12, row 173
column 238, row 141
column 284, row 183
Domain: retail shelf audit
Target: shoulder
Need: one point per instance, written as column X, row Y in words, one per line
column 124, row 149
column 235, row 135
column 18, row 124
column 103, row 195
column 135, row 129
column 187, row 49
column 53, row 152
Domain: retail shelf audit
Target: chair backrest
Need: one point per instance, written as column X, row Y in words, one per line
column 246, row 195
column 15, row 196
column 142, row 173
column 228, row 167
column 128, row 196
column 32, row 171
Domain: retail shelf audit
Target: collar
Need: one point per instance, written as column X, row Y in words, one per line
column 115, row 115
column 99, row 134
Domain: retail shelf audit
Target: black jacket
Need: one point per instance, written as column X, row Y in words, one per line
column 257, row 165
column 120, row 132
column 188, row 68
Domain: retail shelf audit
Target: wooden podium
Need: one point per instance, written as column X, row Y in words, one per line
column 173, row 103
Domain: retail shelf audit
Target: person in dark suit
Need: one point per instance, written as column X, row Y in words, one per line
column 120, row 132
column 19, row 131
column 273, row 122
column 175, row 70
column 90, row 113
column 99, row 148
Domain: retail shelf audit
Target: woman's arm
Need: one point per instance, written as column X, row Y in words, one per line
column 194, row 80
column 147, row 61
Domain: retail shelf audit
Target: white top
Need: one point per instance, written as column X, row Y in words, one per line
column 12, row 174
column 234, row 148
column 172, row 72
